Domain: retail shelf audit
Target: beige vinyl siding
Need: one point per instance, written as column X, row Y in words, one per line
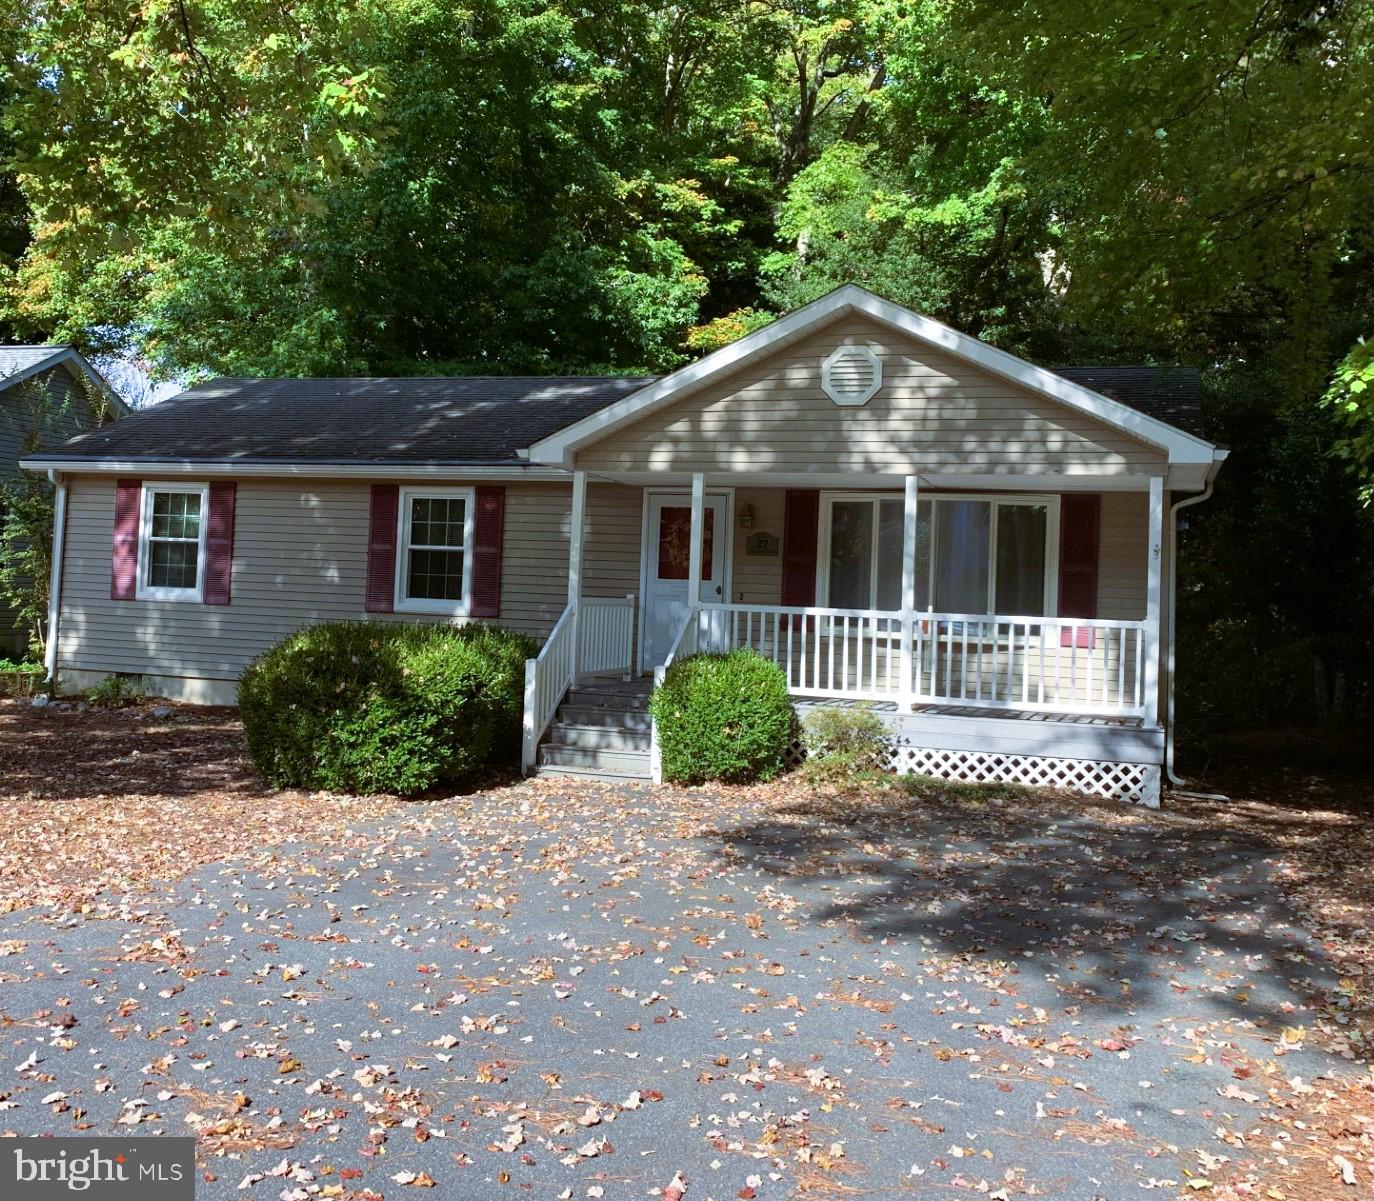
column 933, row 414
column 1122, row 558
column 615, row 525
column 758, row 578
column 300, row 556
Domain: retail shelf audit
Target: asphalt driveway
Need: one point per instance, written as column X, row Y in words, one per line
column 571, row 992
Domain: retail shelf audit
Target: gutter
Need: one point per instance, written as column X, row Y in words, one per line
column 59, row 538
column 313, row 469
column 1169, row 666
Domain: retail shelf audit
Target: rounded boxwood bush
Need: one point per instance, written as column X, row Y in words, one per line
column 372, row 707
column 723, row 717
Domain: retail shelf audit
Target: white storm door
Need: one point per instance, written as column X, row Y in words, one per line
column 667, row 551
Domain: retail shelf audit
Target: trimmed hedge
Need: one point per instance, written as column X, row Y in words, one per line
column 377, row 707
column 723, row 717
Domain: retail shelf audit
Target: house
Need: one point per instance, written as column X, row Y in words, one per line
column 895, row 512
column 47, row 394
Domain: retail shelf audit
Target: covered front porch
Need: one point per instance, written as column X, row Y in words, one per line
column 714, row 562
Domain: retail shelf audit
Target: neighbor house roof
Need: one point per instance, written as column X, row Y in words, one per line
column 463, row 420
column 24, row 361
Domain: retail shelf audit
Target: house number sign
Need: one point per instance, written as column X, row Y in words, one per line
column 761, row 544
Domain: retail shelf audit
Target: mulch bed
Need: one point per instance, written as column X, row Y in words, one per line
column 103, row 803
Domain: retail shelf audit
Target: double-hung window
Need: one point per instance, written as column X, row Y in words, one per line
column 171, row 541
column 434, row 551
column 974, row 554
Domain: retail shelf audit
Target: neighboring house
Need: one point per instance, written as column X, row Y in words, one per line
column 895, row 512
column 47, row 395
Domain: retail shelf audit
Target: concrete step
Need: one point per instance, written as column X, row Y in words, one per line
column 620, row 702
column 584, row 773
column 634, row 764
column 602, row 737
column 603, row 717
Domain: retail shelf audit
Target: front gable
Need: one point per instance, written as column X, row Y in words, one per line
column 789, row 400
column 930, row 413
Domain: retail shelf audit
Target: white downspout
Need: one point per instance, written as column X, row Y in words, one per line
column 59, row 537
column 1174, row 779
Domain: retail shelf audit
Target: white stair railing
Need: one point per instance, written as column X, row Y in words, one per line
column 686, row 643
column 606, row 635
column 547, row 678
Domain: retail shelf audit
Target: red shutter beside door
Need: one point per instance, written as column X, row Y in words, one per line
column 800, row 531
column 381, row 548
column 488, row 535
column 219, row 542
column 124, row 556
column 1080, row 524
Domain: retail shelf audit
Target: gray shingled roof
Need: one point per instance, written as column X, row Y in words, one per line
column 1171, row 394
column 14, row 359
column 478, row 420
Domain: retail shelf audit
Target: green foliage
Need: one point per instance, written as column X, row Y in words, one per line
column 116, row 692
column 377, row 707
column 844, row 746
column 19, row 679
column 26, row 525
column 1351, row 396
column 723, row 717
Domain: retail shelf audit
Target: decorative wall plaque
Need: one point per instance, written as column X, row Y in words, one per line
column 761, row 544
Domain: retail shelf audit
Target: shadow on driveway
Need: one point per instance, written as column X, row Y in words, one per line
column 1109, row 907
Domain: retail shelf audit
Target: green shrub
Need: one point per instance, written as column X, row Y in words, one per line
column 844, row 745
column 114, row 692
column 373, row 707
column 20, row 679
column 723, row 717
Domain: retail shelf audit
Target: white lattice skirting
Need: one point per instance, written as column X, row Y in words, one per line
column 1137, row 783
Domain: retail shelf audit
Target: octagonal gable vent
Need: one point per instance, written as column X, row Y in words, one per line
column 850, row 375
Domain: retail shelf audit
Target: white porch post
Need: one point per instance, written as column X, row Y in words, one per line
column 575, row 536
column 695, row 557
column 907, row 684
column 1153, row 580
column 698, row 531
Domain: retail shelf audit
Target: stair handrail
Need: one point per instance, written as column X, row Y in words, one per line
column 548, row 677
column 684, row 644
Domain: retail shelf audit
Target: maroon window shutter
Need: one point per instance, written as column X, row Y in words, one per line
column 219, row 542
column 381, row 548
column 488, row 535
column 800, row 529
column 1080, row 522
column 124, row 560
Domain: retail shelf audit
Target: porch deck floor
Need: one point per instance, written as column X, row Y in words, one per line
column 1076, row 719
column 641, row 688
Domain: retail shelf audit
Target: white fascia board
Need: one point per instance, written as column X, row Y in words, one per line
column 314, row 470
column 1180, row 447
column 1044, row 482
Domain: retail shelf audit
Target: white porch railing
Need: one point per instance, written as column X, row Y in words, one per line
column 1045, row 664
column 547, row 678
column 606, row 635
column 594, row 636
column 1038, row 664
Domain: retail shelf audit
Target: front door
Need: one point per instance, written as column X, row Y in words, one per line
column 667, row 552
